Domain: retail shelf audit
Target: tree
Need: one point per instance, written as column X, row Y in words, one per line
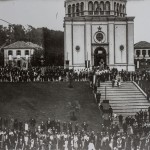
column 34, row 35
column 52, row 41
column 18, row 33
column 35, row 59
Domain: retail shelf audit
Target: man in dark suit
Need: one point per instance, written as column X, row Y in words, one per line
column 85, row 126
column 149, row 112
column 120, row 119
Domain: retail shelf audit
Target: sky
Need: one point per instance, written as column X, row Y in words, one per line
column 50, row 14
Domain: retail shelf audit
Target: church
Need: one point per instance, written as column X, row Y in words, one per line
column 98, row 32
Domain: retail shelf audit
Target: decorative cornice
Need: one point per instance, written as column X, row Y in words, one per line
column 141, row 48
column 100, row 44
column 97, row 18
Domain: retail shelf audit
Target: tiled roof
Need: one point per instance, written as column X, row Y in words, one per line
column 142, row 44
column 19, row 44
column 34, row 45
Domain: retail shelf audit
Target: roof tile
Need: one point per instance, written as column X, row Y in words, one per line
column 19, row 44
column 142, row 44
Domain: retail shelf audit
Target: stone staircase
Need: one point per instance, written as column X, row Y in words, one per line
column 126, row 99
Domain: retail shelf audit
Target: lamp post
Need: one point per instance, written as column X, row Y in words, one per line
column 42, row 60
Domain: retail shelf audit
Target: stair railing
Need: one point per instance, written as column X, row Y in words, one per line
column 144, row 85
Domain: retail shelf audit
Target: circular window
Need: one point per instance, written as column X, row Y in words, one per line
column 77, row 48
column 99, row 37
column 121, row 47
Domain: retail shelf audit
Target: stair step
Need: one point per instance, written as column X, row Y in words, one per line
column 126, row 99
column 116, row 88
column 135, row 110
column 121, row 93
column 140, row 99
column 123, row 96
column 128, row 105
column 129, row 102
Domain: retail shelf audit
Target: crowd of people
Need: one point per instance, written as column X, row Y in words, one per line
column 56, row 73
column 130, row 133
column 109, row 75
column 43, row 74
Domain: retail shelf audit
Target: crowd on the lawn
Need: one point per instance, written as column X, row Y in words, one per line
column 130, row 133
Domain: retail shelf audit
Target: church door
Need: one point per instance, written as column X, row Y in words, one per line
column 18, row 63
column 100, row 57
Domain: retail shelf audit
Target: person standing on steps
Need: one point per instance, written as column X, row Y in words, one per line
column 120, row 119
column 118, row 83
column 113, row 82
column 110, row 111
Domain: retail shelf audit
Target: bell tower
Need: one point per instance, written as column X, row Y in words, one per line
column 98, row 31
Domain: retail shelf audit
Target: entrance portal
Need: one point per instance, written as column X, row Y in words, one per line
column 18, row 63
column 100, row 57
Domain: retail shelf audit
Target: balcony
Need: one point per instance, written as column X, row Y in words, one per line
column 96, row 13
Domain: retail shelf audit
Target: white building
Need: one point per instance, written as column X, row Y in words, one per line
column 98, row 31
column 142, row 54
column 19, row 53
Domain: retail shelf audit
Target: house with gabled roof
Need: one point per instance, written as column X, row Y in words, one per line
column 142, row 54
column 19, row 54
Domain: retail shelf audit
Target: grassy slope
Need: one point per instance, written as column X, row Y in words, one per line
column 43, row 100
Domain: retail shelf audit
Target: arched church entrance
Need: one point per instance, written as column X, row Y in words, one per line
column 100, row 57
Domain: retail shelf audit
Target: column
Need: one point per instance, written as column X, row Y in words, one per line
column 130, row 41
column 88, row 41
column 138, row 64
column 141, row 56
column 111, row 43
column 112, row 8
column 66, row 9
column 68, row 42
column 147, row 53
column 86, row 8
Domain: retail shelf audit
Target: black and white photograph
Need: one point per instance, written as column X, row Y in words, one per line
column 74, row 74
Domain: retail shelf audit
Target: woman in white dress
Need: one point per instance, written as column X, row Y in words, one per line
column 91, row 146
column 75, row 142
column 66, row 145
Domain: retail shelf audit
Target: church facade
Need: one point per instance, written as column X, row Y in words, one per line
column 98, row 32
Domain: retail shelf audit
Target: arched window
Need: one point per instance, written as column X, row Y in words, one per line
column 18, row 52
column 115, row 8
column 73, row 10
column 149, row 53
column 10, row 52
column 102, row 8
column 77, row 9
column 82, row 8
column 26, row 52
column 96, row 9
column 90, row 8
column 69, row 11
column 138, row 53
column 118, row 10
column 124, row 11
column 107, row 8
column 143, row 53
column 121, row 13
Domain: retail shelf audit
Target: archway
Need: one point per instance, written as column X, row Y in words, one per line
column 100, row 57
